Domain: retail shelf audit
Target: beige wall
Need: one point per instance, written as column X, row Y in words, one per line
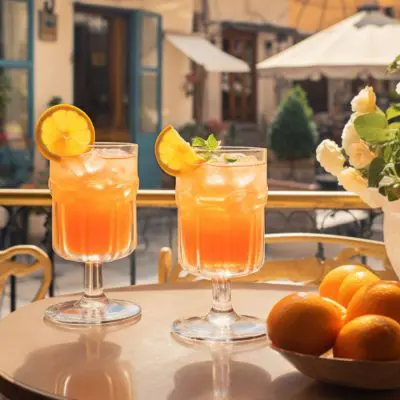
column 53, row 60
column 261, row 11
column 254, row 11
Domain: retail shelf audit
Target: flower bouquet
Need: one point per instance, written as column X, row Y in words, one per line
column 368, row 162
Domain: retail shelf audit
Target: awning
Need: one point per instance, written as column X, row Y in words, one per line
column 204, row 53
column 359, row 46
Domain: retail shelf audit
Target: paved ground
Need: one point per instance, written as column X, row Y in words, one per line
column 156, row 229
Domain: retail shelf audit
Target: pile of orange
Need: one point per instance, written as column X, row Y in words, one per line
column 355, row 314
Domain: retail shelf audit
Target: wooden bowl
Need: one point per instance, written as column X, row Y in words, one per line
column 372, row 375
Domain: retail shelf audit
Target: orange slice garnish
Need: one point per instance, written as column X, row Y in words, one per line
column 64, row 131
column 174, row 155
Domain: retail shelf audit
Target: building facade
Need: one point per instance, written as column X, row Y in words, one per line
column 251, row 30
column 113, row 59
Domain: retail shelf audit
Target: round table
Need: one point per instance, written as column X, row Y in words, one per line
column 143, row 361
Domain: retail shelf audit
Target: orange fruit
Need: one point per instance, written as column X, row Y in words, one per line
column 379, row 298
column 352, row 283
column 64, row 131
column 369, row 337
column 330, row 285
column 174, row 155
column 305, row 323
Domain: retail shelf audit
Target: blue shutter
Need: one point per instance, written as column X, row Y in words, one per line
column 145, row 92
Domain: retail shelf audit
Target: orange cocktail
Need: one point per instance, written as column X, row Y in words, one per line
column 221, row 216
column 93, row 186
column 94, row 210
column 221, row 193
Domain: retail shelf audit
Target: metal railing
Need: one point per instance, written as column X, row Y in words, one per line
column 166, row 199
column 20, row 202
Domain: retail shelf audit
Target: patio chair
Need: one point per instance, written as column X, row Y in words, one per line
column 9, row 266
column 301, row 271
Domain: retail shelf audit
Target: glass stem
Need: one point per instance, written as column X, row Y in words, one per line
column 93, row 281
column 221, row 291
column 221, row 373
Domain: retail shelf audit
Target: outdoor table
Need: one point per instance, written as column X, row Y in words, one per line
column 143, row 361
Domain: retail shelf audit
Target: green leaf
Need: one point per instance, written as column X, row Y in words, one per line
column 374, row 171
column 387, row 153
column 198, row 142
column 393, row 111
column 397, row 168
column 394, row 125
column 212, row 143
column 373, row 128
column 392, row 195
column 394, row 65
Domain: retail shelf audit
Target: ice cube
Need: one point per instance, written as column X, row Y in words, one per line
column 75, row 166
column 244, row 178
column 249, row 160
column 213, row 179
column 93, row 162
column 112, row 153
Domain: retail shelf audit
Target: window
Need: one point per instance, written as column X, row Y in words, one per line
column 16, row 82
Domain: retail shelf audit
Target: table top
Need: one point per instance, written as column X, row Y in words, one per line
column 144, row 361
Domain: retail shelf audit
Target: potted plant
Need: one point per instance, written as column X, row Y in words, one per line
column 292, row 139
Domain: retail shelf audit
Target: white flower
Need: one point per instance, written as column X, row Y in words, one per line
column 360, row 156
column 330, row 157
column 349, row 136
column 365, row 101
column 352, row 180
column 398, row 88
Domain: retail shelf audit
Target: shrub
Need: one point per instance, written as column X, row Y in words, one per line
column 292, row 134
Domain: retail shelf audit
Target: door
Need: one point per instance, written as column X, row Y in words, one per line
column 145, row 92
column 239, row 90
column 101, row 70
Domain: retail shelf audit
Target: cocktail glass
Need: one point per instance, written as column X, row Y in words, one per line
column 221, row 236
column 94, row 221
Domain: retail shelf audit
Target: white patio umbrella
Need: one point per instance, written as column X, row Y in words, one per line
column 359, row 46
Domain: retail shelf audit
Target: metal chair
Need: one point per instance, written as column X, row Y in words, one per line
column 301, row 271
column 11, row 267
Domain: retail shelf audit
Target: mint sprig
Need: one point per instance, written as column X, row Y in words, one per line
column 209, row 145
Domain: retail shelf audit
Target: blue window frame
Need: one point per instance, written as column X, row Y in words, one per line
column 16, row 70
column 146, row 92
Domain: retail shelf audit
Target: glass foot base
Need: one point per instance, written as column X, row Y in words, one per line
column 83, row 312
column 220, row 328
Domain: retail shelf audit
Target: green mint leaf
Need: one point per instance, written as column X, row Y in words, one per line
column 230, row 159
column 374, row 171
column 206, row 156
column 199, row 142
column 373, row 128
column 212, row 142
